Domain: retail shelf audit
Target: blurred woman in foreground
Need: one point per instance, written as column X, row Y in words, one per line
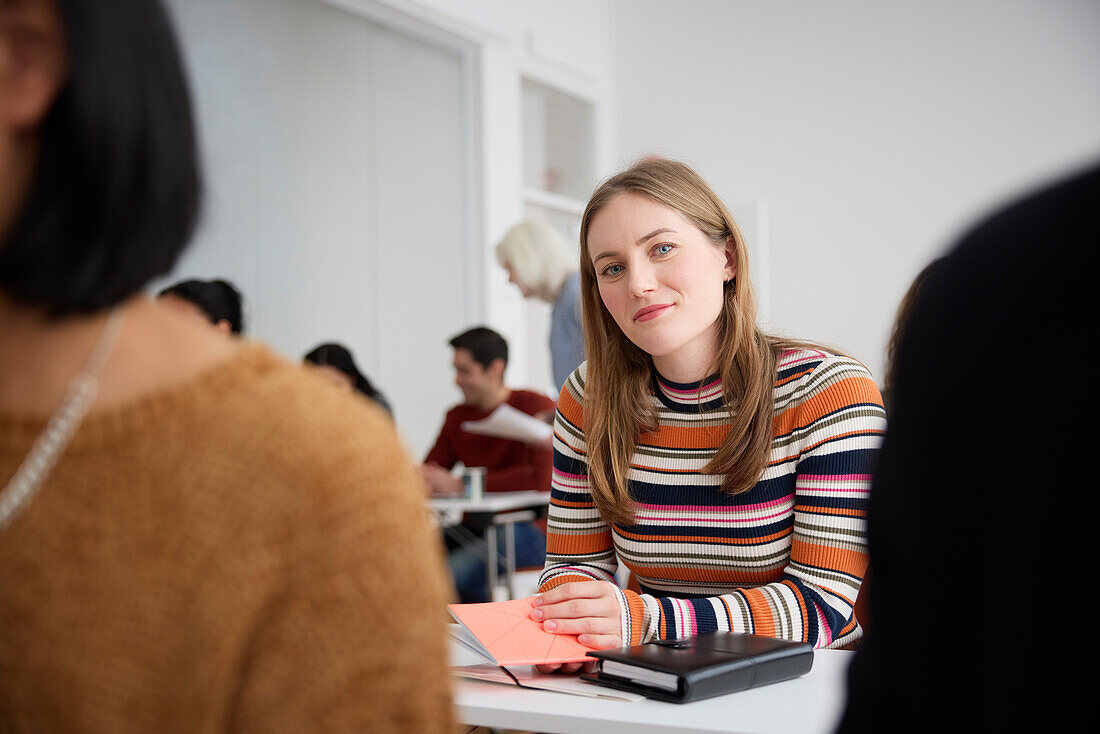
column 192, row 537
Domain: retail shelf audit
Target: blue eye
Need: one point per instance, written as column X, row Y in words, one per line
column 613, row 270
column 663, row 249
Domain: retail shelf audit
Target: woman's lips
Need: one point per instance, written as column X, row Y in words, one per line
column 651, row 312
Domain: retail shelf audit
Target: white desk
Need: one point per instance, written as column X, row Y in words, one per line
column 503, row 505
column 811, row 704
column 491, row 502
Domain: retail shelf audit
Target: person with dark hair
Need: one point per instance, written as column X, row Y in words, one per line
column 194, row 535
column 217, row 301
column 480, row 357
column 980, row 531
column 335, row 362
column 484, row 346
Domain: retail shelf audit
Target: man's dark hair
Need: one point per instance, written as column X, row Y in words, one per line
column 218, row 299
column 484, row 344
column 116, row 188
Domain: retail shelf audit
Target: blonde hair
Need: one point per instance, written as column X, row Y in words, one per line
column 617, row 404
column 540, row 257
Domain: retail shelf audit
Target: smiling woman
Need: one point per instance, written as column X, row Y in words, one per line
column 663, row 288
column 727, row 469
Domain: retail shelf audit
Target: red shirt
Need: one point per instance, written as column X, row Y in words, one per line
column 511, row 466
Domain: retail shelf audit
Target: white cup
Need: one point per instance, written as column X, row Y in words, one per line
column 473, row 482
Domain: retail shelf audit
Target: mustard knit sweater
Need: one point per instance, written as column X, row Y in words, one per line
column 245, row 552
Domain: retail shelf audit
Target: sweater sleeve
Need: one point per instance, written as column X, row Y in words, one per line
column 530, row 469
column 579, row 546
column 443, row 452
column 832, row 426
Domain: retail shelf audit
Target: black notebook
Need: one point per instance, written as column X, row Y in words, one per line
column 698, row 667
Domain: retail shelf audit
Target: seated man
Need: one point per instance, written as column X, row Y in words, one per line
column 480, row 357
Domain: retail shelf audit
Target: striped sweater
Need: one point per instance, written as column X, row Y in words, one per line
column 784, row 559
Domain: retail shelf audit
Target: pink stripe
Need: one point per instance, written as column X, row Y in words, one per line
column 706, row 508
column 566, row 474
column 834, row 476
column 694, row 622
column 838, row 490
column 800, row 359
column 692, row 391
column 822, row 624
column 728, row 521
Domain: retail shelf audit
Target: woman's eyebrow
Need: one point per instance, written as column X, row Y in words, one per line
column 641, row 239
column 654, row 233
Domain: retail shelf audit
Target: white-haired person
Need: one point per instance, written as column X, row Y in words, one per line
column 728, row 469
column 542, row 264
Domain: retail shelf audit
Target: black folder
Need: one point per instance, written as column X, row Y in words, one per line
column 709, row 664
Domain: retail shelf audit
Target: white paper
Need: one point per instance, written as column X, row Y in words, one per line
column 466, row 638
column 528, row 677
column 507, row 422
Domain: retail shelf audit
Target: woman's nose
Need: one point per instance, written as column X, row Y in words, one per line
column 642, row 280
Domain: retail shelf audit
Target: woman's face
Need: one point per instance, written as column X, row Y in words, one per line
column 514, row 280
column 661, row 279
column 32, row 67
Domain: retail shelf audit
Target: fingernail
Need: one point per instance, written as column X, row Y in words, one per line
column 536, row 614
column 583, row 639
column 537, row 601
column 550, row 624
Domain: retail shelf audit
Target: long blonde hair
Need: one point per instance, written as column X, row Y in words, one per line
column 617, row 404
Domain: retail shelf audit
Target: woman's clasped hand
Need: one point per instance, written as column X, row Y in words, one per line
column 588, row 609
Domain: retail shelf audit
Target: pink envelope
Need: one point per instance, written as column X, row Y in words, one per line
column 505, row 629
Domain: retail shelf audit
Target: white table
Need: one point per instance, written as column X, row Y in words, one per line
column 811, row 704
column 507, row 509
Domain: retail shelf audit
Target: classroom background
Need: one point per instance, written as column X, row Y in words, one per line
column 364, row 156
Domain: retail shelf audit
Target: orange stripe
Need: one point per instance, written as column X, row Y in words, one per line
column 570, row 409
column 803, row 373
column 685, row 437
column 636, row 610
column 567, row 503
column 761, row 611
column 843, row 560
column 563, row 579
column 847, row 391
column 569, row 544
column 829, row 511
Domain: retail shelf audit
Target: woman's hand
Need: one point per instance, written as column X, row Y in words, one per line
column 589, row 609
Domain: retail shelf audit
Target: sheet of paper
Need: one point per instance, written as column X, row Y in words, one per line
column 528, row 677
column 507, row 422
column 509, row 635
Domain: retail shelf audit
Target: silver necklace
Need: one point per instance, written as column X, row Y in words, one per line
column 52, row 442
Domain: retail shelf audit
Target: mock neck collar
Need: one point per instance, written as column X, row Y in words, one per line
column 688, row 397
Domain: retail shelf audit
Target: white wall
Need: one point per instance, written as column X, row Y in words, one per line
column 566, row 43
column 326, row 137
column 874, row 130
column 362, row 158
